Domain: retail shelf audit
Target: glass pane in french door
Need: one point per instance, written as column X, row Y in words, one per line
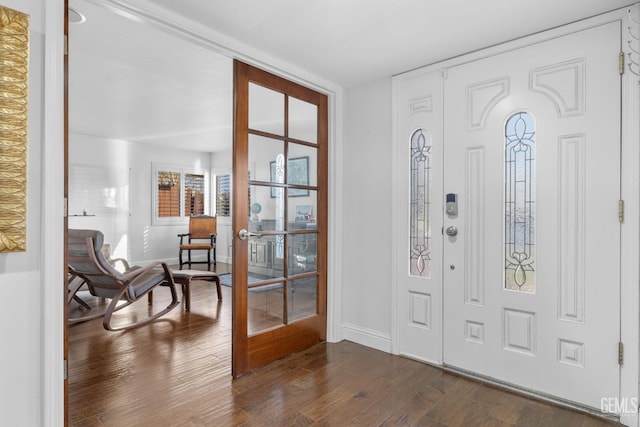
column 266, row 159
column 303, row 120
column 266, row 110
column 303, row 165
column 265, row 306
column 302, row 298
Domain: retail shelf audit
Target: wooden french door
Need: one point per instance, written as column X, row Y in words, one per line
column 279, row 218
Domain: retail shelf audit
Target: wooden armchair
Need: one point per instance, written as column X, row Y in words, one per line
column 201, row 237
column 87, row 262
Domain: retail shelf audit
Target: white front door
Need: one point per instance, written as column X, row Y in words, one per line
column 532, row 277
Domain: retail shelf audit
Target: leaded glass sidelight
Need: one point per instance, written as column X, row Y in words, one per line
column 420, row 217
column 520, row 208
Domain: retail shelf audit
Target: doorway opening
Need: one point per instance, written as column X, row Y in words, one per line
column 143, row 102
column 121, row 149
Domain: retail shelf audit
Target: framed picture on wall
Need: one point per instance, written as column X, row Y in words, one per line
column 298, row 171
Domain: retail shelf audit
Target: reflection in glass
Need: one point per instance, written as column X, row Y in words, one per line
column 308, row 175
column 520, row 203
column 297, row 172
column 262, row 153
column 223, row 195
column 265, row 307
column 282, row 209
column 266, row 110
column 303, row 297
column 420, row 199
column 263, row 264
column 303, row 120
column 302, row 210
column 279, row 198
column 267, row 213
column 302, row 253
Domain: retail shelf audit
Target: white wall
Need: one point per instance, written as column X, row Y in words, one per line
column 222, row 160
column 367, row 207
column 20, row 324
column 133, row 236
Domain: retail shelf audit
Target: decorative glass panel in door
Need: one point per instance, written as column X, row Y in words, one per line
column 520, row 204
column 279, row 273
column 420, row 200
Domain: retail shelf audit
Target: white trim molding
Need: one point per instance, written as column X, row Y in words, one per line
column 53, row 206
column 367, row 337
column 630, row 233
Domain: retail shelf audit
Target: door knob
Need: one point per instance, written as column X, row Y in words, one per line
column 452, row 231
column 244, row 234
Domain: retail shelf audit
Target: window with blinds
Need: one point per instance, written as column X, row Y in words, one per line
column 168, row 197
column 179, row 194
column 193, row 194
column 223, row 195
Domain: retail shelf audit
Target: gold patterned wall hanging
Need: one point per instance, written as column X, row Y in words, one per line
column 14, row 67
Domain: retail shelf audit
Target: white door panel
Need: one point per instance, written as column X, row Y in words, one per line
column 559, row 335
column 419, row 247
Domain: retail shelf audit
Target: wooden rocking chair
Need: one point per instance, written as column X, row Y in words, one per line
column 86, row 261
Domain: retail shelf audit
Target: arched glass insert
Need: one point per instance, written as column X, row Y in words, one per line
column 420, row 217
column 520, row 208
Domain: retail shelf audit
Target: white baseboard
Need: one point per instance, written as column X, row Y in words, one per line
column 367, row 337
column 223, row 259
column 630, row 420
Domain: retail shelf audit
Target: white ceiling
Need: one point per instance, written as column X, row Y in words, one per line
column 132, row 81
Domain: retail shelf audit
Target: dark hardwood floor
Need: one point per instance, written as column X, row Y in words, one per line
column 177, row 372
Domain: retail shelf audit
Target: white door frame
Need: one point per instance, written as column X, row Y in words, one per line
column 629, row 19
column 53, row 210
column 53, row 204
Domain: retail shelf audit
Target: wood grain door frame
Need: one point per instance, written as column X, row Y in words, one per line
column 256, row 350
